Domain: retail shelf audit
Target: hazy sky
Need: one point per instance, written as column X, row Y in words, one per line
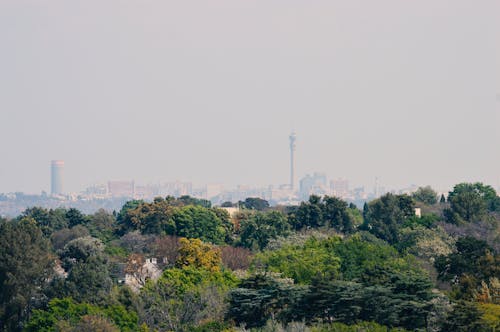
column 208, row 91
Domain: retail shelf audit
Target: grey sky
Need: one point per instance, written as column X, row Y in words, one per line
column 208, row 91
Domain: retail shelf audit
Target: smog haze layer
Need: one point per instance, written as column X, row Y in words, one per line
column 208, row 91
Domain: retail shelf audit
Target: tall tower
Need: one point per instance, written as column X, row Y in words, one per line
column 56, row 179
column 292, row 138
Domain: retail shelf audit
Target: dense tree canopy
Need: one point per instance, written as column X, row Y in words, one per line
column 425, row 195
column 470, row 202
column 25, row 266
column 386, row 215
column 323, row 265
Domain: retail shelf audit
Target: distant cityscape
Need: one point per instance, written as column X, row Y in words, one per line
column 113, row 194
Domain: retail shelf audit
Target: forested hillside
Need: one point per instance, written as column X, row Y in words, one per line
column 179, row 264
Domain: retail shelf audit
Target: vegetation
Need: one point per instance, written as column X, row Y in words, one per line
column 179, row 264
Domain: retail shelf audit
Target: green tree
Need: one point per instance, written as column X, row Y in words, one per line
column 149, row 218
column 426, row 195
column 75, row 217
column 49, row 221
column 88, row 277
column 185, row 298
column 255, row 203
column 82, row 317
column 470, row 202
column 302, row 263
column 25, row 266
column 473, row 262
column 386, row 215
column 188, row 200
column 336, row 215
column 260, row 227
column 442, row 200
column 102, row 225
column 260, row 297
column 465, row 317
column 202, row 223
column 309, row 214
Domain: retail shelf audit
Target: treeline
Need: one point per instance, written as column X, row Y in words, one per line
column 179, row 264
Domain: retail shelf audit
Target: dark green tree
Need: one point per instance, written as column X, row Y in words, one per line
column 470, row 202
column 473, row 262
column 25, row 266
column 309, row 214
column 335, row 214
column 442, row 200
column 260, row 227
column 48, row 220
column 75, row 217
column 465, row 317
column 386, row 215
column 255, row 203
column 426, row 195
column 88, row 277
column 260, row 297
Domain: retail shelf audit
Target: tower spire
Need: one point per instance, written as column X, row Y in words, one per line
column 292, row 139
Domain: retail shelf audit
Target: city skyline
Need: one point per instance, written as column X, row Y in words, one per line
column 402, row 92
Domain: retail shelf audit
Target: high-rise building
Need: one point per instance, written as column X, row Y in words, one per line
column 312, row 185
column 121, row 188
column 56, row 177
column 340, row 188
column 292, row 138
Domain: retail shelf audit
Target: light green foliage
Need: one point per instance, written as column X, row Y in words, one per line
column 359, row 327
column 182, row 280
column 186, row 297
column 358, row 278
column 360, row 254
column 302, row 262
column 72, row 313
column 355, row 215
column 198, row 222
column 490, row 315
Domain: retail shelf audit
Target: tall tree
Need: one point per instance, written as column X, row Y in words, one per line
column 25, row 267
column 386, row 215
column 426, row 195
column 471, row 201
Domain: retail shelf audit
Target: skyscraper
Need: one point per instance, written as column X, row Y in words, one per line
column 292, row 138
column 56, row 171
